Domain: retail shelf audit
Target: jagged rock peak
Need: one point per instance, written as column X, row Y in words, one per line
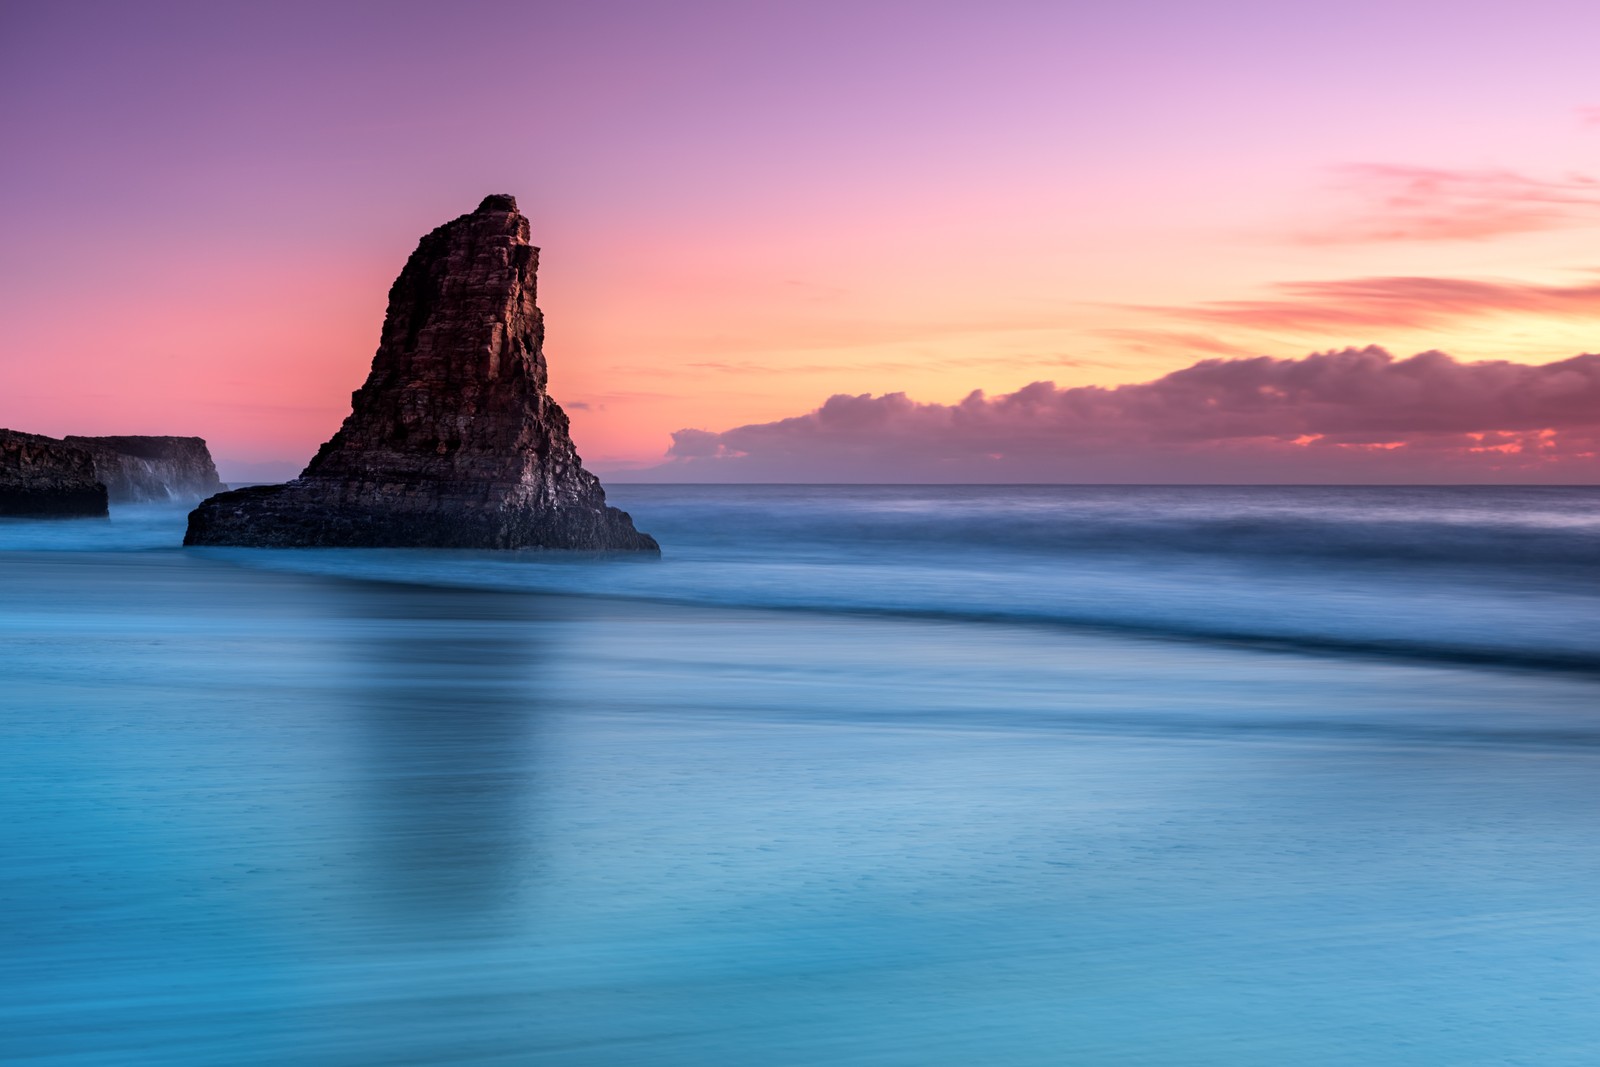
column 453, row 439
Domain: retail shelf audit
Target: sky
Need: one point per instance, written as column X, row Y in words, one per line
column 866, row 241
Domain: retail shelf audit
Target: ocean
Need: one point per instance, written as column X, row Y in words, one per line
column 913, row 775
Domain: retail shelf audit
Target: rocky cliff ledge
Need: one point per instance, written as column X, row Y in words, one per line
column 40, row 476
column 138, row 470
column 453, row 440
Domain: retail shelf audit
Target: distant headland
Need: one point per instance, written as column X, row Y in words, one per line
column 79, row 476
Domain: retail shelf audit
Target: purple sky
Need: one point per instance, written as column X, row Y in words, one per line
column 748, row 208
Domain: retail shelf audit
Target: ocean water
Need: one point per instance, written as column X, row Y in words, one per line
column 855, row 775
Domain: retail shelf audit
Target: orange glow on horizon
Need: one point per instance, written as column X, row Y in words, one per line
column 861, row 218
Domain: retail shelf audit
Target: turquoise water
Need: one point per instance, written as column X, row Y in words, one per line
column 912, row 776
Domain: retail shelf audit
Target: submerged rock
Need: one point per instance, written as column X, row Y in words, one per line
column 138, row 470
column 453, row 440
column 42, row 476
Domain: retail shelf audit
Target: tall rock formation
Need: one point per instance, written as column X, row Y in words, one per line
column 453, row 440
column 40, row 476
column 152, row 470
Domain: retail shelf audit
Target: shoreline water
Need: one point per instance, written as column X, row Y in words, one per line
column 1507, row 577
column 282, row 816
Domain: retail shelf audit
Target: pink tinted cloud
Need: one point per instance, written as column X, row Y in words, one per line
column 1404, row 203
column 1354, row 415
column 1166, row 342
column 1394, row 302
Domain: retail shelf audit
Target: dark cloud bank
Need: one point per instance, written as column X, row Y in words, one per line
column 1358, row 415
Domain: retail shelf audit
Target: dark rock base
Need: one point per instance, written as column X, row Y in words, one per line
column 54, row 503
column 292, row 516
column 44, row 477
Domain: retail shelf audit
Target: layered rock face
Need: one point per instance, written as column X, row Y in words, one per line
column 41, row 476
column 139, row 470
column 453, row 440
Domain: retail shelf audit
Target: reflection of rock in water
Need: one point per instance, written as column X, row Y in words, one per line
column 446, row 716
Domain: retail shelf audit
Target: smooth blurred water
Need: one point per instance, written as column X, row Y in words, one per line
column 904, row 776
column 1508, row 576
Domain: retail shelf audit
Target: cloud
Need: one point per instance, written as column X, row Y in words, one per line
column 1393, row 302
column 1402, row 203
column 695, row 444
column 1353, row 415
column 1165, row 342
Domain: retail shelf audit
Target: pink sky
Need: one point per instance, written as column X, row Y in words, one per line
column 746, row 209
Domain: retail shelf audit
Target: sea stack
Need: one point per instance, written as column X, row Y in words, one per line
column 453, row 441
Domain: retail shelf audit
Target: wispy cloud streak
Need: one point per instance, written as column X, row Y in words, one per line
column 1393, row 302
column 1405, row 203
